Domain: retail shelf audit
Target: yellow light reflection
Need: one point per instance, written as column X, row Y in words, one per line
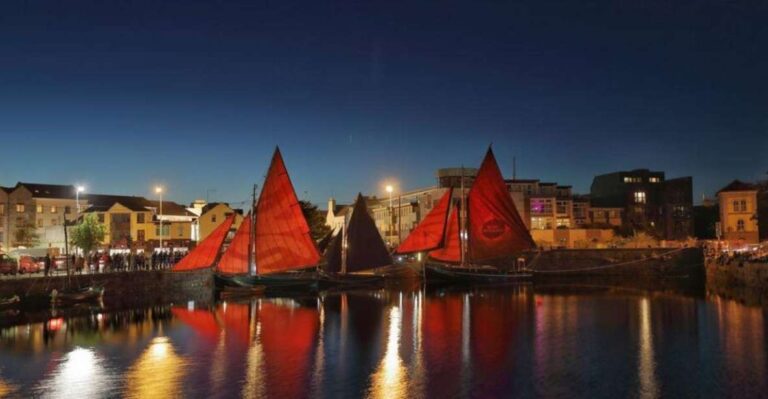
column 390, row 379
column 81, row 374
column 157, row 373
column 254, row 373
column 646, row 364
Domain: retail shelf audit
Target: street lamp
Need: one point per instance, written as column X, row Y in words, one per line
column 389, row 190
column 78, row 190
column 159, row 192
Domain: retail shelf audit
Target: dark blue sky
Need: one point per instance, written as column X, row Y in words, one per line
column 195, row 95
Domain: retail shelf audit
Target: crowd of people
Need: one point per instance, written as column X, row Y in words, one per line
column 117, row 261
column 726, row 257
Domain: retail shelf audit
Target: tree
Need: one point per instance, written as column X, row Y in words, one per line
column 26, row 235
column 88, row 234
column 316, row 220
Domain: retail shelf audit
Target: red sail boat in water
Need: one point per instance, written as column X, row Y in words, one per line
column 462, row 243
column 357, row 251
column 272, row 247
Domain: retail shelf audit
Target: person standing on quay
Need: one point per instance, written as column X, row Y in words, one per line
column 47, row 264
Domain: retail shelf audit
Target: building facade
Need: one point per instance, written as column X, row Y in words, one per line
column 137, row 223
column 650, row 202
column 213, row 215
column 39, row 210
column 739, row 214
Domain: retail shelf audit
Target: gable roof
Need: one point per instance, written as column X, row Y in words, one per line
column 48, row 190
column 102, row 203
column 738, row 185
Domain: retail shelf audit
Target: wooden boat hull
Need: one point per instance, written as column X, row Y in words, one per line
column 89, row 294
column 241, row 292
column 400, row 271
column 327, row 281
column 272, row 282
column 11, row 302
column 441, row 273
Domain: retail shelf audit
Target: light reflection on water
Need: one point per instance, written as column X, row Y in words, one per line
column 389, row 344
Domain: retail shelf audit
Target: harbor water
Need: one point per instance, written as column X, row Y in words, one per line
column 520, row 341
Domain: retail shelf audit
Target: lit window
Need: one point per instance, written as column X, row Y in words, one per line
column 39, row 209
column 654, row 179
column 563, row 222
column 640, row 197
column 20, row 208
column 53, row 209
column 740, row 225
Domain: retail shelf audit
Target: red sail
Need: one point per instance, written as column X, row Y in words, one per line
column 235, row 259
column 430, row 233
column 204, row 255
column 201, row 321
column 282, row 234
column 495, row 228
column 451, row 251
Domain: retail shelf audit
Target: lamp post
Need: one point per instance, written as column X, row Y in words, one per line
column 389, row 190
column 159, row 192
column 78, row 190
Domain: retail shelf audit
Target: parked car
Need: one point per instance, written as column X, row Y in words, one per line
column 28, row 264
column 8, row 265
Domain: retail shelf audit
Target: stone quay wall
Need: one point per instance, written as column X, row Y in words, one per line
column 738, row 273
column 621, row 264
column 121, row 288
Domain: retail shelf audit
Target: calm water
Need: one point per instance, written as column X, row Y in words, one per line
column 517, row 342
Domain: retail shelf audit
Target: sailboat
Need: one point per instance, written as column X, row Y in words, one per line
column 205, row 254
column 357, row 251
column 272, row 247
column 484, row 227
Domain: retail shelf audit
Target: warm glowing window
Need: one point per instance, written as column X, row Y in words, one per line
column 54, row 209
column 539, row 223
column 20, row 208
column 39, row 209
column 654, row 179
column 563, row 222
column 640, row 197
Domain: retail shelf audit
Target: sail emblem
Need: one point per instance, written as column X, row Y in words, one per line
column 493, row 228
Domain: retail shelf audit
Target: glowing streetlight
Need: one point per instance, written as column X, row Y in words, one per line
column 78, row 190
column 159, row 192
column 389, row 189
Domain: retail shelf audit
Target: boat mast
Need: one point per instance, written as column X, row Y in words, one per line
column 252, row 241
column 344, row 246
column 462, row 221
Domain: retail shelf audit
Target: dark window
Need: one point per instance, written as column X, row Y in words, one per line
column 101, row 218
column 140, row 217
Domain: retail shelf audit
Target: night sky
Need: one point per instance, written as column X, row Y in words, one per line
column 121, row 95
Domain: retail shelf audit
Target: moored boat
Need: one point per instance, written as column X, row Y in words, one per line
column 356, row 253
column 462, row 237
column 10, row 302
column 272, row 247
column 92, row 293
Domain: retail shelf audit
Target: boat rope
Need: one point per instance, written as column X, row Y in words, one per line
column 607, row 266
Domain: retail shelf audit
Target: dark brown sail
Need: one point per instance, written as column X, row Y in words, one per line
column 333, row 254
column 365, row 248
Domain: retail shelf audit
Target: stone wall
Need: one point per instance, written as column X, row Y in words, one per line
column 624, row 264
column 121, row 288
